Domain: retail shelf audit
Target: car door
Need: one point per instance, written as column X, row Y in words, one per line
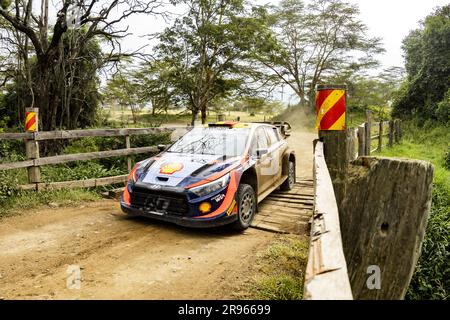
column 263, row 161
column 276, row 153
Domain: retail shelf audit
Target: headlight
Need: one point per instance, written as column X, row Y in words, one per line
column 212, row 186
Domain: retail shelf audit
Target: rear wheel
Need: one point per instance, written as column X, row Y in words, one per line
column 290, row 181
column 246, row 201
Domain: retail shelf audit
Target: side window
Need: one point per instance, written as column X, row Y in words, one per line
column 261, row 139
column 273, row 135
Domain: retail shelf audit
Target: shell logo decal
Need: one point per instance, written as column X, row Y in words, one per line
column 171, row 168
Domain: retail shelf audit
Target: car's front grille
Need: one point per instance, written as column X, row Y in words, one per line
column 159, row 201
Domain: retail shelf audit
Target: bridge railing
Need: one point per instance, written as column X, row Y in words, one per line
column 34, row 161
column 326, row 272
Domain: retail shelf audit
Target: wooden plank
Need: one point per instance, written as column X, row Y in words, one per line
column 93, row 155
column 72, row 134
column 326, row 273
column 16, row 136
column 389, row 202
column 16, row 165
column 290, row 205
column 267, row 227
column 361, row 141
column 291, row 196
column 90, row 183
column 391, row 133
column 292, row 216
column 277, row 208
column 380, row 137
column 290, row 201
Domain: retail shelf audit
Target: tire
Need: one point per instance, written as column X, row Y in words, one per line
column 290, row 181
column 246, row 201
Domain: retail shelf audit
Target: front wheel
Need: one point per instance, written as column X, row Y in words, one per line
column 290, row 181
column 246, row 201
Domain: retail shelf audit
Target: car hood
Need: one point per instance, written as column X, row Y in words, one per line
column 179, row 169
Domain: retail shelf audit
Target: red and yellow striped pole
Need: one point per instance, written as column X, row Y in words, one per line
column 31, row 120
column 330, row 107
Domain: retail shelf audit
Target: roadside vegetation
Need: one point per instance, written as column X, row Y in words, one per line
column 280, row 270
column 423, row 101
column 430, row 142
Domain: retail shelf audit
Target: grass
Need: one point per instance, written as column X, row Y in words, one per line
column 281, row 270
column 430, row 142
column 27, row 200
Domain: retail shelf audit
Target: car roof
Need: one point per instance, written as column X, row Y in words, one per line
column 237, row 124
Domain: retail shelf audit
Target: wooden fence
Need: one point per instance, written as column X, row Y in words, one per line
column 374, row 136
column 326, row 273
column 34, row 161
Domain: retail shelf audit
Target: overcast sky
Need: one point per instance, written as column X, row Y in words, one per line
column 389, row 19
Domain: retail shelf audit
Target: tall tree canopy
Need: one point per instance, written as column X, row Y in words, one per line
column 206, row 51
column 50, row 56
column 306, row 43
column 426, row 93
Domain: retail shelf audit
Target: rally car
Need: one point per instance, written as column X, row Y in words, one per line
column 213, row 175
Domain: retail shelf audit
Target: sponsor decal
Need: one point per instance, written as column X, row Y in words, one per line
column 231, row 208
column 218, row 198
column 171, row 168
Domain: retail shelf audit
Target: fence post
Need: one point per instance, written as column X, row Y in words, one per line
column 396, row 133
column 380, row 136
column 368, row 126
column 400, row 130
column 391, row 133
column 361, row 140
column 32, row 146
column 128, row 146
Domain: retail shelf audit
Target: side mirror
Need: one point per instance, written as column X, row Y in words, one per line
column 261, row 152
column 162, row 147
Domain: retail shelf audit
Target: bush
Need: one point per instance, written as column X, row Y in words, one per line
column 78, row 171
column 8, row 185
column 431, row 279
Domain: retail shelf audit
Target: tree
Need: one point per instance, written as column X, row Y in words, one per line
column 47, row 75
column 122, row 89
column 155, row 85
column 427, row 63
column 206, row 50
column 309, row 43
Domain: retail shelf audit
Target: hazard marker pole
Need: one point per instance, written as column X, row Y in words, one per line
column 338, row 144
column 31, row 145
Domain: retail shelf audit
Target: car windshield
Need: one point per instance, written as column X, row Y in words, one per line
column 229, row 142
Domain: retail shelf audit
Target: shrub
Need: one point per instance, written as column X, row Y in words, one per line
column 8, row 185
column 431, row 279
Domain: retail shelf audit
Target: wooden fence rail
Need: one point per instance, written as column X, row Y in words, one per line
column 326, row 273
column 384, row 129
column 34, row 161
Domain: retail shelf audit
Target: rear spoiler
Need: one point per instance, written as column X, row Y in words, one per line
column 285, row 127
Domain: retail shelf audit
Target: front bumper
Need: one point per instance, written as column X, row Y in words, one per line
column 216, row 221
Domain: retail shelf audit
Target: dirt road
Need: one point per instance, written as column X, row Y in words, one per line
column 122, row 258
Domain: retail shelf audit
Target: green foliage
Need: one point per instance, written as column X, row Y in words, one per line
column 427, row 52
column 76, row 101
column 431, row 279
column 78, row 171
column 8, row 185
column 5, row 4
column 203, row 53
column 282, row 266
column 294, row 43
